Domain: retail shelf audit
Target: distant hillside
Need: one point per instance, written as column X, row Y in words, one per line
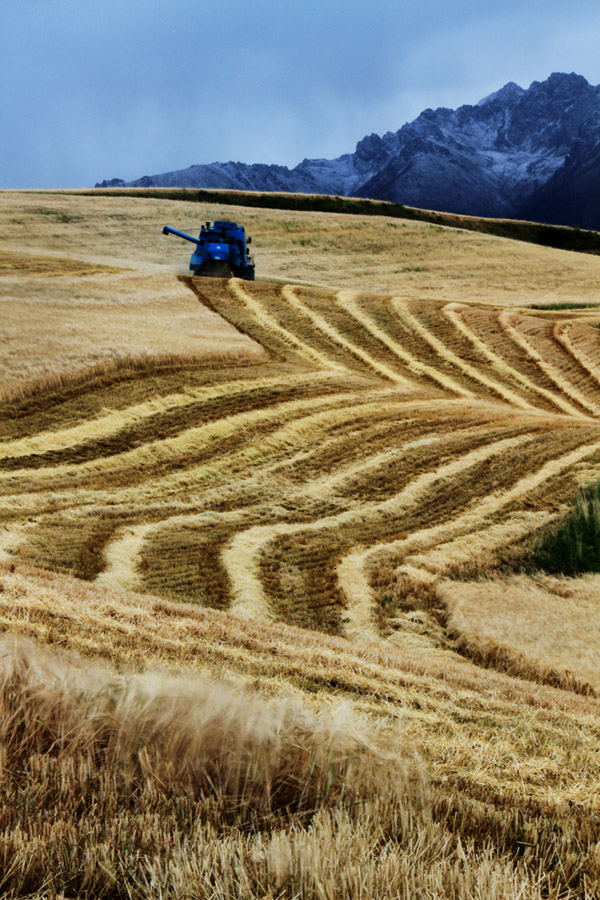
column 528, row 154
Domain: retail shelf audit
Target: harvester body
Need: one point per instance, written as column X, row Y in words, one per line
column 221, row 250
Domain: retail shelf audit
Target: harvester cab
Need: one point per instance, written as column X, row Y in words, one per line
column 221, row 250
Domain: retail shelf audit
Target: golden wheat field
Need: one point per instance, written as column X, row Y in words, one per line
column 85, row 281
column 271, row 536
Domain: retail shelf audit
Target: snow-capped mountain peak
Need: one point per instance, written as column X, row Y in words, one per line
column 507, row 94
column 519, row 153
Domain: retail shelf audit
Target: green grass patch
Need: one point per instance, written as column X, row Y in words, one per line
column 563, row 305
column 572, row 546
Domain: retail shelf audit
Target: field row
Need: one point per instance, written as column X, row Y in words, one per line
column 385, row 445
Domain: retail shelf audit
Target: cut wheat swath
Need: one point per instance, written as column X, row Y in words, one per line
column 334, row 335
column 112, row 422
column 562, row 333
column 358, row 616
column 272, row 449
column 241, row 556
column 352, row 568
column 270, row 323
column 508, row 320
column 478, row 547
column 190, row 440
column 348, row 301
column 452, row 311
column 401, row 309
column 247, row 471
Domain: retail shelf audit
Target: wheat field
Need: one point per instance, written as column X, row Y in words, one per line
column 314, row 493
column 87, row 281
column 381, row 446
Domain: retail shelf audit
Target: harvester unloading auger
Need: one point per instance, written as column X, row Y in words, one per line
column 221, row 250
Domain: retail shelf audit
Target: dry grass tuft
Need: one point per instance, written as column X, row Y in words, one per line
column 148, row 786
column 102, row 773
column 240, row 756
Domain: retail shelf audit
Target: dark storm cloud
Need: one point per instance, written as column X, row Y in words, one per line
column 100, row 89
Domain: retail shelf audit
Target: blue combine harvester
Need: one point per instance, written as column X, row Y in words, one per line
column 221, row 251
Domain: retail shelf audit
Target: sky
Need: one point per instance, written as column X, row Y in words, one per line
column 94, row 89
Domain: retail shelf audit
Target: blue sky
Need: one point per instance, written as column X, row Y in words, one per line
column 95, row 89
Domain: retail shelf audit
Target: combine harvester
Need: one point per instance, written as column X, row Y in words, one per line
column 221, row 251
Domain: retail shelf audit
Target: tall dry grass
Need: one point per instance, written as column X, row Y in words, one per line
column 238, row 757
column 152, row 787
column 103, row 773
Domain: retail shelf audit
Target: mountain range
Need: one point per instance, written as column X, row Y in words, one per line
column 519, row 153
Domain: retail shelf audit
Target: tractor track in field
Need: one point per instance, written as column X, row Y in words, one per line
column 385, row 443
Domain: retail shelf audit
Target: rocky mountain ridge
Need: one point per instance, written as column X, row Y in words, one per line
column 519, row 153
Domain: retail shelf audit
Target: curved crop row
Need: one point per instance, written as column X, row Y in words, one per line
column 384, row 442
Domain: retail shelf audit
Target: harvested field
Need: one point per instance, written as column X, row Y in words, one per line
column 375, row 438
column 382, row 446
column 96, row 285
column 108, row 290
column 314, row 492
